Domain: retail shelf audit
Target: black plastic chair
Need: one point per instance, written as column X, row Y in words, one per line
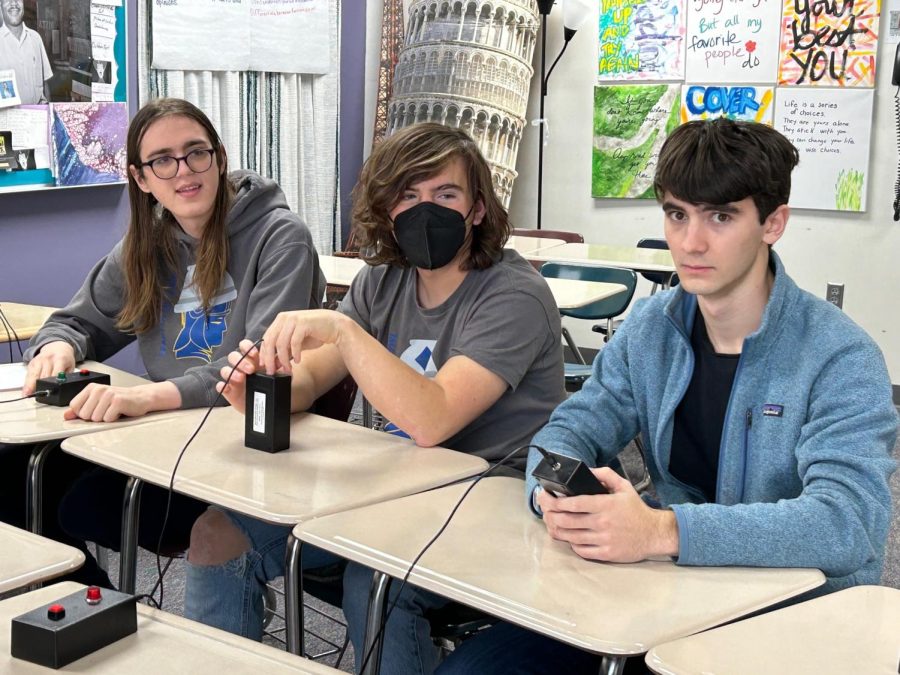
column 658, row 279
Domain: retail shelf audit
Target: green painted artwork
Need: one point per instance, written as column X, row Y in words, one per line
column 631, row 122
column 848, row 190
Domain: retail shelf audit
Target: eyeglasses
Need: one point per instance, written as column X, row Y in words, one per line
column 166, row 167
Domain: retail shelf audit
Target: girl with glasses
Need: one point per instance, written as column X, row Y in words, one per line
column 209, row 258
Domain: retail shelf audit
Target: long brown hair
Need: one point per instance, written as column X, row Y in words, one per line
column 409, row 156
column 149, row 258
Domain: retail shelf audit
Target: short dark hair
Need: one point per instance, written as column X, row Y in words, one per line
column 411, row 155
column 721, row 161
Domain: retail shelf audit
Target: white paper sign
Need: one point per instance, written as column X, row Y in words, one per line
column 28, row 126
column 286, row 36
column 734, row 41
column 831, row 129
column 12, row 376
column 103, row 31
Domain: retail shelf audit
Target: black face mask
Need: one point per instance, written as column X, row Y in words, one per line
column 430, row 235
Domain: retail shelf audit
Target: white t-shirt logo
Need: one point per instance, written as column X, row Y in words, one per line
column 419, row 357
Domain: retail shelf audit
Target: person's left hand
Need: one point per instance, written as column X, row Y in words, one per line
column 615, row 527
column 103, row 403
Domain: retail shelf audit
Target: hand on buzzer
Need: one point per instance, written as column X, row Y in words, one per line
column 286, row 339
column 615, row 527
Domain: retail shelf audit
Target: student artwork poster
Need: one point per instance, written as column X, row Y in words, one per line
column 641, row 40
column 732, row 40
column 829, row 43
column 743, row 102
column 631, row 122
column 831, row 130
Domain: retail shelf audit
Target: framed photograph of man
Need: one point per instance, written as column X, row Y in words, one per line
column 61, row 49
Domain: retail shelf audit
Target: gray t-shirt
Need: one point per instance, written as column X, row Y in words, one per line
column 503, row 318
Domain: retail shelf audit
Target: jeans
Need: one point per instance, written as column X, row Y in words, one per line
column 230, row 596
column 92, row 511
column 408, row 649
column 505, row 648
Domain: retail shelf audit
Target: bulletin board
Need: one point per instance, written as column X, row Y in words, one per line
column 71, row 131
column 806, row 67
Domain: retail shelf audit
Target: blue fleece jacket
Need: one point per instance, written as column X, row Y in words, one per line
column 805, row 455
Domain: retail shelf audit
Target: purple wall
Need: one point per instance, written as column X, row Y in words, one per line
column 50, row 239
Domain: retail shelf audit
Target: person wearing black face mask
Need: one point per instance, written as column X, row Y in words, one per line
column 430, row 235
column 452, row 338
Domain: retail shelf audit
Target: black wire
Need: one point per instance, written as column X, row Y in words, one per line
column 42, row 392
column 443, row 527
column 159, row 570
column 9, row 338
column 8, row 324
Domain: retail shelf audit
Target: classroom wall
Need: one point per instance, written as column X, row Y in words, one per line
column 50, row 239
column 856, row 249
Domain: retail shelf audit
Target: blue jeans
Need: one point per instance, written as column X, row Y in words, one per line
column 505, row 648
column 230, row 596
column 408, row 649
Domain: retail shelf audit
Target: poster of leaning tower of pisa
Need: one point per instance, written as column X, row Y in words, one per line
column 467, row 64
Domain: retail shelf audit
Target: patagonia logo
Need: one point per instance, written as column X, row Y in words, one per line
column 773, row 410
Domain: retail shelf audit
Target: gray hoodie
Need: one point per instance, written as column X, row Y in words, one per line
column 272, row 267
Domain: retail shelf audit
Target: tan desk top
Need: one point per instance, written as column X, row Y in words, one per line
column 496, row 556
column 531, row 244
column 26, row 558
column 632, row 257
column 574, row 293
column 856, row 630
column 340, row 271
column 568, row 293
column 25, row 319
column 163, row 643
column 31, row 422
column 331, row 466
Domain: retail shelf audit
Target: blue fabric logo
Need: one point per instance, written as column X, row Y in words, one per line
column 202, row 331
column 773, row 410
column 394, row 430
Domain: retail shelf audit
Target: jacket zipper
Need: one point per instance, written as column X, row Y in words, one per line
column 748, row 423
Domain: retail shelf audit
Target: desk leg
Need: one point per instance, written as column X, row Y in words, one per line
column 33, row 510
column 612, row 665
column 667, row 283
column 378, row 593
column 293, row 597
column 131, row 511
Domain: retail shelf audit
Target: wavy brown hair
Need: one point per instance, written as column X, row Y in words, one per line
column 149, row 258
column 412, row 155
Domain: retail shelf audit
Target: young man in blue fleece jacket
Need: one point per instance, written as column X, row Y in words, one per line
column 766, row 412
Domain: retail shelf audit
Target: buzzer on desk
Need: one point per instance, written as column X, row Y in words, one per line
column 60, row 390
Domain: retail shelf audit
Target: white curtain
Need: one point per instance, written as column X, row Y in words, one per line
column 283, row 126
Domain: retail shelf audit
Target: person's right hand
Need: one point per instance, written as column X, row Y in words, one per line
column 236, row 389
column 54, row 357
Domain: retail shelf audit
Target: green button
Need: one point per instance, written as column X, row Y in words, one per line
column 61, row 375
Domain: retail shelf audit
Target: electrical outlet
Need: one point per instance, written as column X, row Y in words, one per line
column 834, row 294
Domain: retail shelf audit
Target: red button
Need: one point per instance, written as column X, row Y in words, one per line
column 92, row 597
column 56, row 612
column 84, row 371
